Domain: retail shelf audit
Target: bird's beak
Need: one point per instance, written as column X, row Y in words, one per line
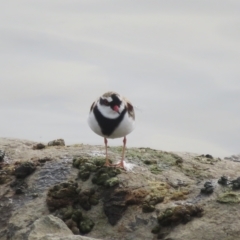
column 116, row 109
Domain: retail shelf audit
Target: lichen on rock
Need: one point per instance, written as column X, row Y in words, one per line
column 229, row 197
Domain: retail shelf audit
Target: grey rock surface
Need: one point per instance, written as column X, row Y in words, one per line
column 157, row 180
column 48, row 225
column 67, row 237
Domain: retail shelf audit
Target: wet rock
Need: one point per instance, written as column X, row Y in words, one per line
column 19, row 185
column 38, row 146
column 44, row 160
column 223, row 180
column 208, row 188
column 236, row 184
column 2, row 154
column 115, row 206
column 229, row 197
column 175, row 216
column 57, row 142
column 116, row 202
column 24, row 169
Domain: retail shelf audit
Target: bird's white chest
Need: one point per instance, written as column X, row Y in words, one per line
column 124, row 127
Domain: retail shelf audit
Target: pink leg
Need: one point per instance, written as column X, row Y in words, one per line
column 121, row 164
column 107, row 163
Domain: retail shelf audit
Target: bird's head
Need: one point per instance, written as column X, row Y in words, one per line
column 110, row 105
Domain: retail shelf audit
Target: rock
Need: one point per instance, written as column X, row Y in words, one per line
column 117, row 201
column 24, row 169
column 234, row 158
column 102, row 176
column 2, row 154
column 121, row 211
column 111, row 182
column 223, row 180
column 48, row 225
column 67, row 237
column 236, row 184
column 57, row 142
column 38, row 146
column 229, row 197
column 208, row 188
column 87, row 198
column 149, row 162
column 209, row 156
column 62, row 195
column 148, row 208
column 86, row 225
column 175, row 216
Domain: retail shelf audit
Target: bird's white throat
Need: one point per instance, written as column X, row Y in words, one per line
column 108, row 112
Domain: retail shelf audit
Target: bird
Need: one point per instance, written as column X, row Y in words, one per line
column 112, row 116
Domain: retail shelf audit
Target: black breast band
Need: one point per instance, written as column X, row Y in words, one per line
column 108, row 125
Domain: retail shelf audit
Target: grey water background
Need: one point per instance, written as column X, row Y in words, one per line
column 177, row 61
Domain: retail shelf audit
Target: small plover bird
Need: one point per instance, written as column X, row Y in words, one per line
column 112, row 116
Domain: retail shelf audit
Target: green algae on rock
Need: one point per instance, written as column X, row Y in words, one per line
column 175, row 216
column 151, row 156
column 87, row 198
column 103, row 176
column 67, row 198
column 75, row 220
column 62, row 195
column 229, row 197
column 24, row 169
column 87, row 165
column 86, row 225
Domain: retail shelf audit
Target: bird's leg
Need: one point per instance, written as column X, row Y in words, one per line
column 121, row 164
column 107, row 163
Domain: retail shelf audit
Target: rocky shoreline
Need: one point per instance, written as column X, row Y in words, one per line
column 53, row 191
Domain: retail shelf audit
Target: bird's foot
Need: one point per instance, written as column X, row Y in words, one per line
column 119, row 165
column 108, row 164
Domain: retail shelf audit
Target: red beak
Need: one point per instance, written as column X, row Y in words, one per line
column 116, row 109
